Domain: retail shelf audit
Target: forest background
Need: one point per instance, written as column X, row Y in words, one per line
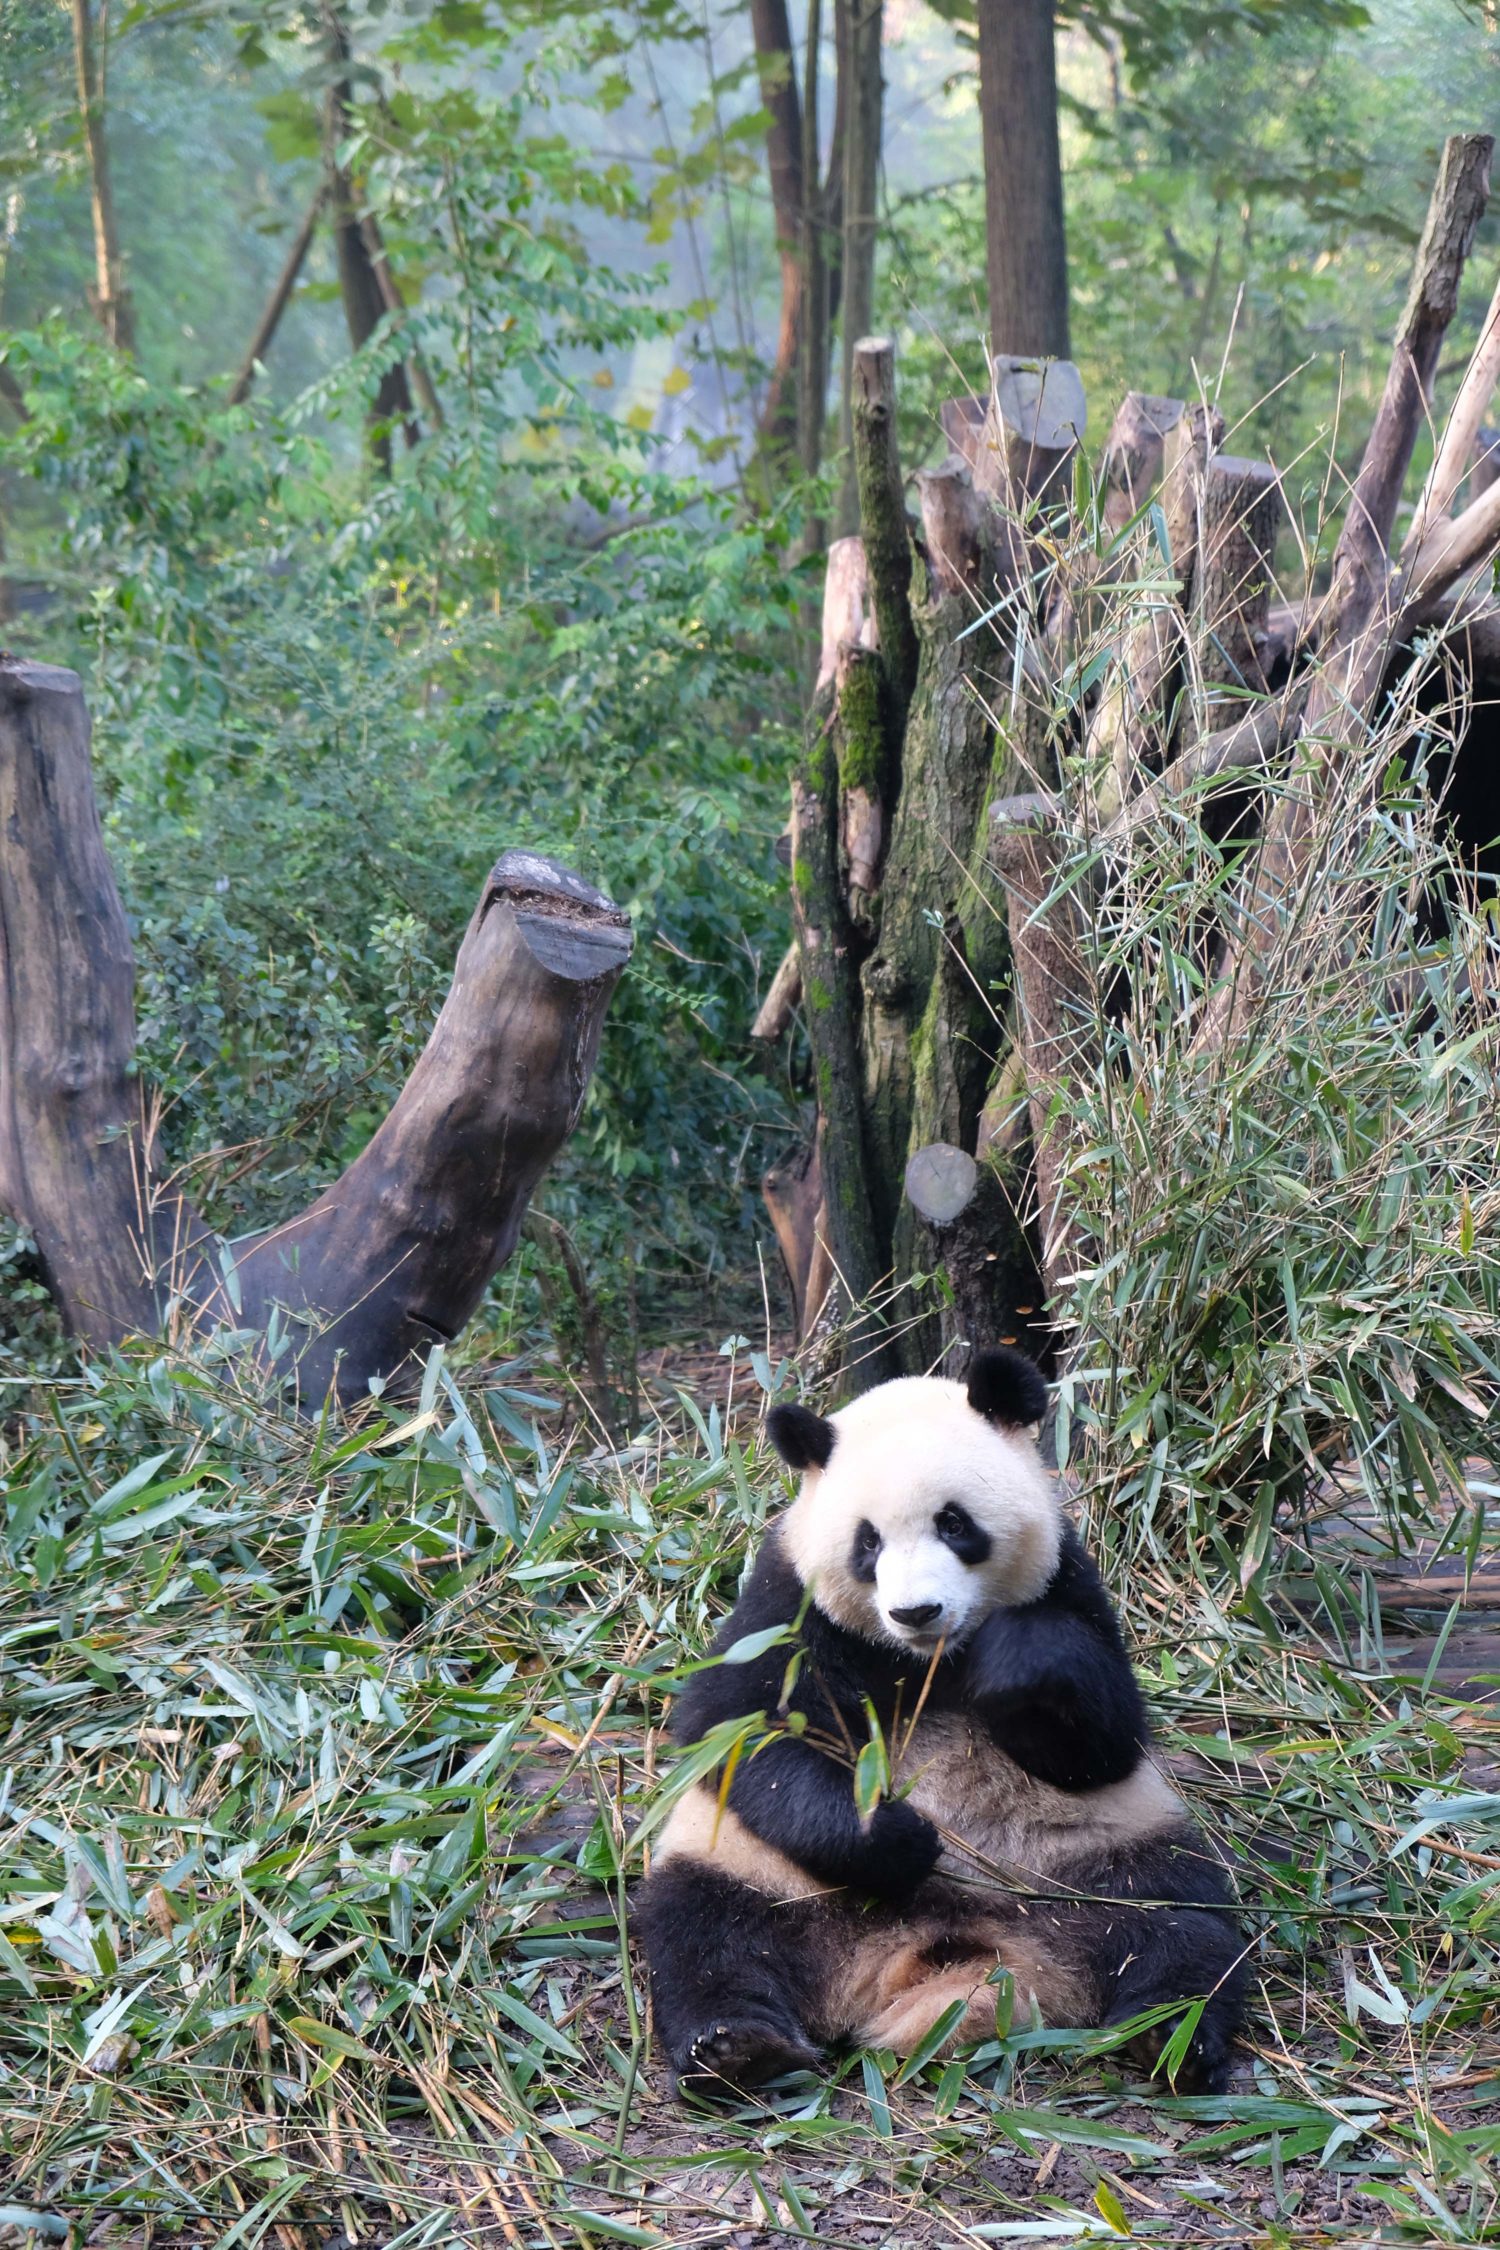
column 580, row 612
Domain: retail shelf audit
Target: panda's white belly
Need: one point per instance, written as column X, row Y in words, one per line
column 1002, row 1827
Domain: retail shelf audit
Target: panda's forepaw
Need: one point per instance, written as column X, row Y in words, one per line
column 1008, row 1662
column 729, row 2057
column 901, row 1851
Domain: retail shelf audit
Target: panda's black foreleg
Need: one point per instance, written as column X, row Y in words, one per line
column 1182, row 1954
column 731, row 1974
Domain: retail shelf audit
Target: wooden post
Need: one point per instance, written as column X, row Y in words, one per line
column 76, row 1159
column 830, row 983
column 1132, row 721
column 1242, row 513
column 1133, row 453
column 1056, row 1017
column 1033, row 426
column 793, row 1193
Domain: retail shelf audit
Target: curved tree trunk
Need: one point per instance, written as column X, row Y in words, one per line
column 396, row 1255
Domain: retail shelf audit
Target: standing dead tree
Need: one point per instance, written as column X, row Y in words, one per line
column 963, row 682
column 395, row 1256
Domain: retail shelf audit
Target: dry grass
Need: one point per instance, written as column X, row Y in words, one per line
column 322, row 1755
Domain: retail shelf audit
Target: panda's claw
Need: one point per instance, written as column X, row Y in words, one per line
column 733, row 2057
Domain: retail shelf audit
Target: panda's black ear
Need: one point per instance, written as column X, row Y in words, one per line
column 803, row 1439
column 1007, row 1388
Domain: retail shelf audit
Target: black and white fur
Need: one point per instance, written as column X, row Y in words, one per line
column 938, row 1583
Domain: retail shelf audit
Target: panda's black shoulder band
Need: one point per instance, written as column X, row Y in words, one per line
column 803, row 1439
column 1007, row 1387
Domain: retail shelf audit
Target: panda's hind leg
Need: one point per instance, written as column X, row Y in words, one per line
column 902, row 1984
column 732, row 1972
column 1183, row 1954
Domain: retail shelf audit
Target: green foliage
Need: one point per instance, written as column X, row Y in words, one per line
column 323, row 707
column 1244, row 187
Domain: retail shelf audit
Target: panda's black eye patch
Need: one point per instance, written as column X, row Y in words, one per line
column 867, row 1544
column 958, row 1530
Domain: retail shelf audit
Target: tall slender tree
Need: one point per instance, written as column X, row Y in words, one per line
column 862, row 145
column 808, row 207
column 360, row 252
column 110, row 296
column 775, row 60
column 1027, row 255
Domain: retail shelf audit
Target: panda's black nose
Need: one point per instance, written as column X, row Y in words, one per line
column 922, row 1613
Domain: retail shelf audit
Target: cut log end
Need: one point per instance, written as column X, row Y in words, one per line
column 1133, row 453
column 958, row 528
column 21, row 679
column 962, row 423
column 874, row 376
column 940, row 1182
column 571, row 930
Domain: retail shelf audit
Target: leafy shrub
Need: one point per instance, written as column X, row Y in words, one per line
column 320, row 716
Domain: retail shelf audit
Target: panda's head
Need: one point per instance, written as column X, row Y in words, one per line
column 924, row 1504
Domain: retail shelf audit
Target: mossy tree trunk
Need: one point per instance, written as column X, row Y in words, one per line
column 900, row 924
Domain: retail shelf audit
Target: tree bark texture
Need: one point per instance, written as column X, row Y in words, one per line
column 862, row 138
column 1023, row 188
column 807, row 212
column 77, row 1160
column 396, row 1255
column 775, row 62
column 793, row 1193
column 1056, row 1016
column 882, row 513
column 900, row 922
column 1134, row 718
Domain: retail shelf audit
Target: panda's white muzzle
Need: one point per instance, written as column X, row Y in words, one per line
column 925, row 1596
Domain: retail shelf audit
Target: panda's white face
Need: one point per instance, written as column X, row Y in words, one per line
column 924, row 1518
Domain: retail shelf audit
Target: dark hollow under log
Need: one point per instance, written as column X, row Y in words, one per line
column 395, row 1256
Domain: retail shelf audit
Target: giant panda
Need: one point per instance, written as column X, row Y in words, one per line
column 926, row 1574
